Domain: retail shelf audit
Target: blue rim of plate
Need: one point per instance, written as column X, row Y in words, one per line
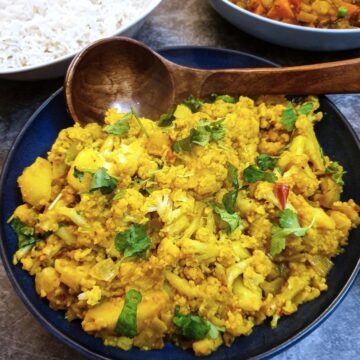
column 90, row 354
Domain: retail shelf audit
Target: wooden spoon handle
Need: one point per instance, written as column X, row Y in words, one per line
column 332, row 77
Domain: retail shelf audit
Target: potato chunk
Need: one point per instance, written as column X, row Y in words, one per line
column 35, row 183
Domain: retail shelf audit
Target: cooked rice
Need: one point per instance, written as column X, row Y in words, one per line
column 34, row 32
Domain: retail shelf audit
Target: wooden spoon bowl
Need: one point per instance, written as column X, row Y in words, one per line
column 124, row 73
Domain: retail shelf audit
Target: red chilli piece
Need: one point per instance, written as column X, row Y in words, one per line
column 282, row 192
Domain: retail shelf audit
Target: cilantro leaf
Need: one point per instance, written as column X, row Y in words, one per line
column 192, row 103
column 185, row 144
column 141, row 125
column 233, row 220
column 25, row 234
column 204, row 132
column 337, row 174
column 78, row 174
column 214, row 330
column 126, row 324
column 229, row 201
column 192, row 326
column 167, row 118
column 265, row 162
column 103, row 181
column 233, row 175
column 134, row 241
column 306, row 108
column 200, row 136
column 212, row 98
column 288, row 118
column 289, row 224
column 278, row 240
column 228, row 99
column 216, row 129
column 289, row 220
column 121, row 127
column 253, row 174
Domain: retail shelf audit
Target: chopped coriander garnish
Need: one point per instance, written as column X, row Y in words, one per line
column 187, row 143
column 229, row 199
column 289, row 224
column 192, row 326
column 192, row 103
column 228, row 99
column 134, row 241
column 233, row 175
column 305, row 108
column 127, row 322
column 233, row 220
column 205, row 132
column 288, row 118
column 252, row 174
column 138, row 120
column 121, row 127
column 337, row 174
column 78, row 174
column 103, row 181
column 290, row 114
column 265, row 162
column 25, row 234
column 167, row 118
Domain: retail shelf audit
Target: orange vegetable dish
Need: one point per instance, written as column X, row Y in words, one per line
column 332, row 14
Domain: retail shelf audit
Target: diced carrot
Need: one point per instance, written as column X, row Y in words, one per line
column 281, row 10
column 295, row 3
column 351, row 8
column 285, row 10
column 273, row 13
column 260, row 10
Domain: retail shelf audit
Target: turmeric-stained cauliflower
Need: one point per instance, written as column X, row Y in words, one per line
column 194, row 229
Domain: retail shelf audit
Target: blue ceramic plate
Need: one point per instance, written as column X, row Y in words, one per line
column 36, row 139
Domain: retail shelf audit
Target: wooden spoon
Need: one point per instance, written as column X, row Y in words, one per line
column 125, row 73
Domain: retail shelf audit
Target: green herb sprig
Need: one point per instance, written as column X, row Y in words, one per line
column 126, row 324
column 134, row 241
column 202, row 135
column 290, row 114
column 289, row 224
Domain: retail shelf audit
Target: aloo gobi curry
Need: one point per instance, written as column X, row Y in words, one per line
column 191, row 229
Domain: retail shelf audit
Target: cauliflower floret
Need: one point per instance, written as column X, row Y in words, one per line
column 26, row 214
column 199, row 250
column 176, row 209
column 206, row 346
column 125, row 160
column 129, row 208
column 92, row 297
column 236, row 324
column 168, row 251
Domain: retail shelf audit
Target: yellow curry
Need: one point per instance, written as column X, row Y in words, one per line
column 192, row 229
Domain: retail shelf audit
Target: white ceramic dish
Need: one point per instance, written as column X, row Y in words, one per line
column 293, row 36
column 58, row 67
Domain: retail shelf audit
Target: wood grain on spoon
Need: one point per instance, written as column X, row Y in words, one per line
column 123, row 72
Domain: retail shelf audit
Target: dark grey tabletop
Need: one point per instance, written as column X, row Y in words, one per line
column 175, row 22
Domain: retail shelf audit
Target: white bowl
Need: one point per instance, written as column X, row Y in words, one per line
column 58, row 67
column 280, row 33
